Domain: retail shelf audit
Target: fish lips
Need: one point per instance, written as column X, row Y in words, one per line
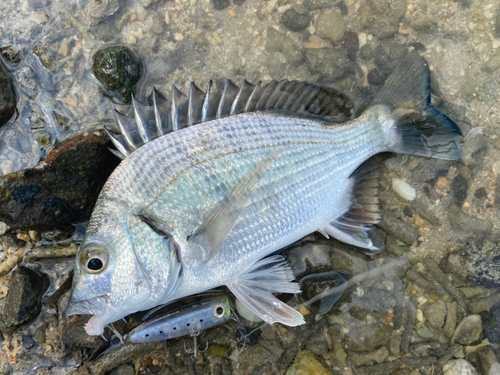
column 91, row 306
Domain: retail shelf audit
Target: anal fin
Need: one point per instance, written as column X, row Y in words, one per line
column 355, row 225
column 255, row 287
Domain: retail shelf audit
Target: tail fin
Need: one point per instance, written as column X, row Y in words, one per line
column 422, row 129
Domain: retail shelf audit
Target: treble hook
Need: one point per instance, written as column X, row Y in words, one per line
column 195, row 348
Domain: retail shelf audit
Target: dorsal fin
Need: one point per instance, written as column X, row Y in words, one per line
column 164, row 116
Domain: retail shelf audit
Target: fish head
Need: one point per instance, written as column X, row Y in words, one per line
column 121, row 267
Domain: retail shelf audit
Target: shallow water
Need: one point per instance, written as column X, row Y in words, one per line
column 436, row 310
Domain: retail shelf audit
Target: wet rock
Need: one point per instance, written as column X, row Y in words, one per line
column 338, row 354
column 398, row 228
column 493, row 63
column 367, row 52
column 376, row 300
column 435, row 313
column 379, row 369
column 277, row 42
column 317, row 4
column 295, row 21
column 425, row 333
column 262, row 352
column 328, row 62
column 315, row 284
column 388, row 55
column 62, row 189
column 220, row 4
column 359, row 359
column 330, row 25
column 393, row 247
column 11, row 56
column 491, row 89
column 98, row 10
column 468, row 330
column 118, row 70
column 482, row 262
column 451, row 319
column 474, row 148
column 369, row 337
column 7, row 99
column 381, row 17
column 497, row 24
column 459, row 190
column 122, row 370
column 459, row 367
column 350, row 43
column 376, row 78
column 23, row 301
column 46, row 58
column 462, row 222
column 306, row 363
column 425, row 25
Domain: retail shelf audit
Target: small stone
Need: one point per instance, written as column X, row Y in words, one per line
column 398, row 228
column 464, row 223
column 468, row 330
column 306, row 363
column 7, row 99
column 451, row 319
column 442, row 182
column 277, row 42
column 474, row 148
column 118, row 70
column 425, row 25
column 387, row 56
column 45, row 57
column 378, row 356
column 425, row 332
column 367, row 51
column 330, row 25
column 376, row 78
column 328, row 62
column 459, row 190
column 435, row 313
column 295, row 21
column 220, row 4
column 403, row 189
column 23, row 301
column 493, row 63
column 459, row 367
column 122, row 370
column 98, row 10
column 497, row 24
column 382, row 17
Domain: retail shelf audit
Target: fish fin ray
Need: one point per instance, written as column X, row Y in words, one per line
column 355, row 225
column 255, row 287
column 218, row 224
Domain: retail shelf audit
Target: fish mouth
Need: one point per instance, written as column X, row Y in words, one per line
column 95, row 306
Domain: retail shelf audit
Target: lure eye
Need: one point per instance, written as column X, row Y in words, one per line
column 93, row 259
column 219, row 311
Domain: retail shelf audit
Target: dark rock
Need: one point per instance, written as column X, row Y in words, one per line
column 238, row 2
column 483, row 257
column 398, row 228
column 317, row 4
column 376, row 78
column 464, row 223
column 247, row 336
column 11, row 56
column 63, row 189
column 388, row 55
column 459, row 190
column 23, row 301
column 481, row 193
column 118, row 70
column 344, row 9
column 122, row 370
column 350, row 43
column 367, row 52
column 295, row 21
column 328, row 62
column 381, row 17
column 220, row 4
column 425, row 25
column 407, row 212
column 418, row 46
column 464, row 3
column 7, row 99
column 315, row 284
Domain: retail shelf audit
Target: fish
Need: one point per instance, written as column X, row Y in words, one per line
column 211, row 186
column 193, row 319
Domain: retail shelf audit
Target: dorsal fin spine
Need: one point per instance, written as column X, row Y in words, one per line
column 206, row 102
column 139, row 121
column 124, row 130
column 158, row 121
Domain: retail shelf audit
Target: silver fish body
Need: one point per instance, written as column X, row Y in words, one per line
column 203, row 206
column 195, row 318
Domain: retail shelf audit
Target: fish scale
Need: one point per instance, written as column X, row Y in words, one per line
column 207, row 205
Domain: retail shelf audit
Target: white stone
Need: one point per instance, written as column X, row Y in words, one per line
column 404, row 189
column 494, row 369
column 459, row 367
column 4, row 228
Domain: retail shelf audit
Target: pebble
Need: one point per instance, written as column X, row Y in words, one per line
column 435, row 313
column 220, row 4
column 295, row 21
column 404, row 189
column 459, row 190
column 277, row 42
column 307, row 363
column 330, row 25
column 468, row 330
column 493, row 63
column 382, row 17
column 327, row 62
column 451, row 319
column 398, row 228
column 7, row 98
column 359, row 359
column 459, row 367
column 464, row 223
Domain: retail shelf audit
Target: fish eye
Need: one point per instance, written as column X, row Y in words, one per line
column 219, row 311
column 93, row 259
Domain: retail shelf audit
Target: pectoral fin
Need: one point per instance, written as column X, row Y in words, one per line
column 219, row 222
column 254, row 289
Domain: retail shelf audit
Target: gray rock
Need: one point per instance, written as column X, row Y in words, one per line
column 295, row 21
column 491, row 89
column 368, row 337
column 464, row 223
column 220, row 4
column 425, row 25
column 98, row 10
column 337, row 353
column 474, row 147
column 330, row 25
column 381, row 17
column 497, row 24
column 459, row 190
column 375, row 300
column 493, row 63
column 435, row 313
column 398, row 228
column 317, row 4
column 468, row 330
column 7, row 99
column 367, row 52
column 277, row 42
column 425, row 332
column 387, row 56
column 328, row 62
column 359, row 359
column 23, row 300
column 459, row 367
column 451, row 319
